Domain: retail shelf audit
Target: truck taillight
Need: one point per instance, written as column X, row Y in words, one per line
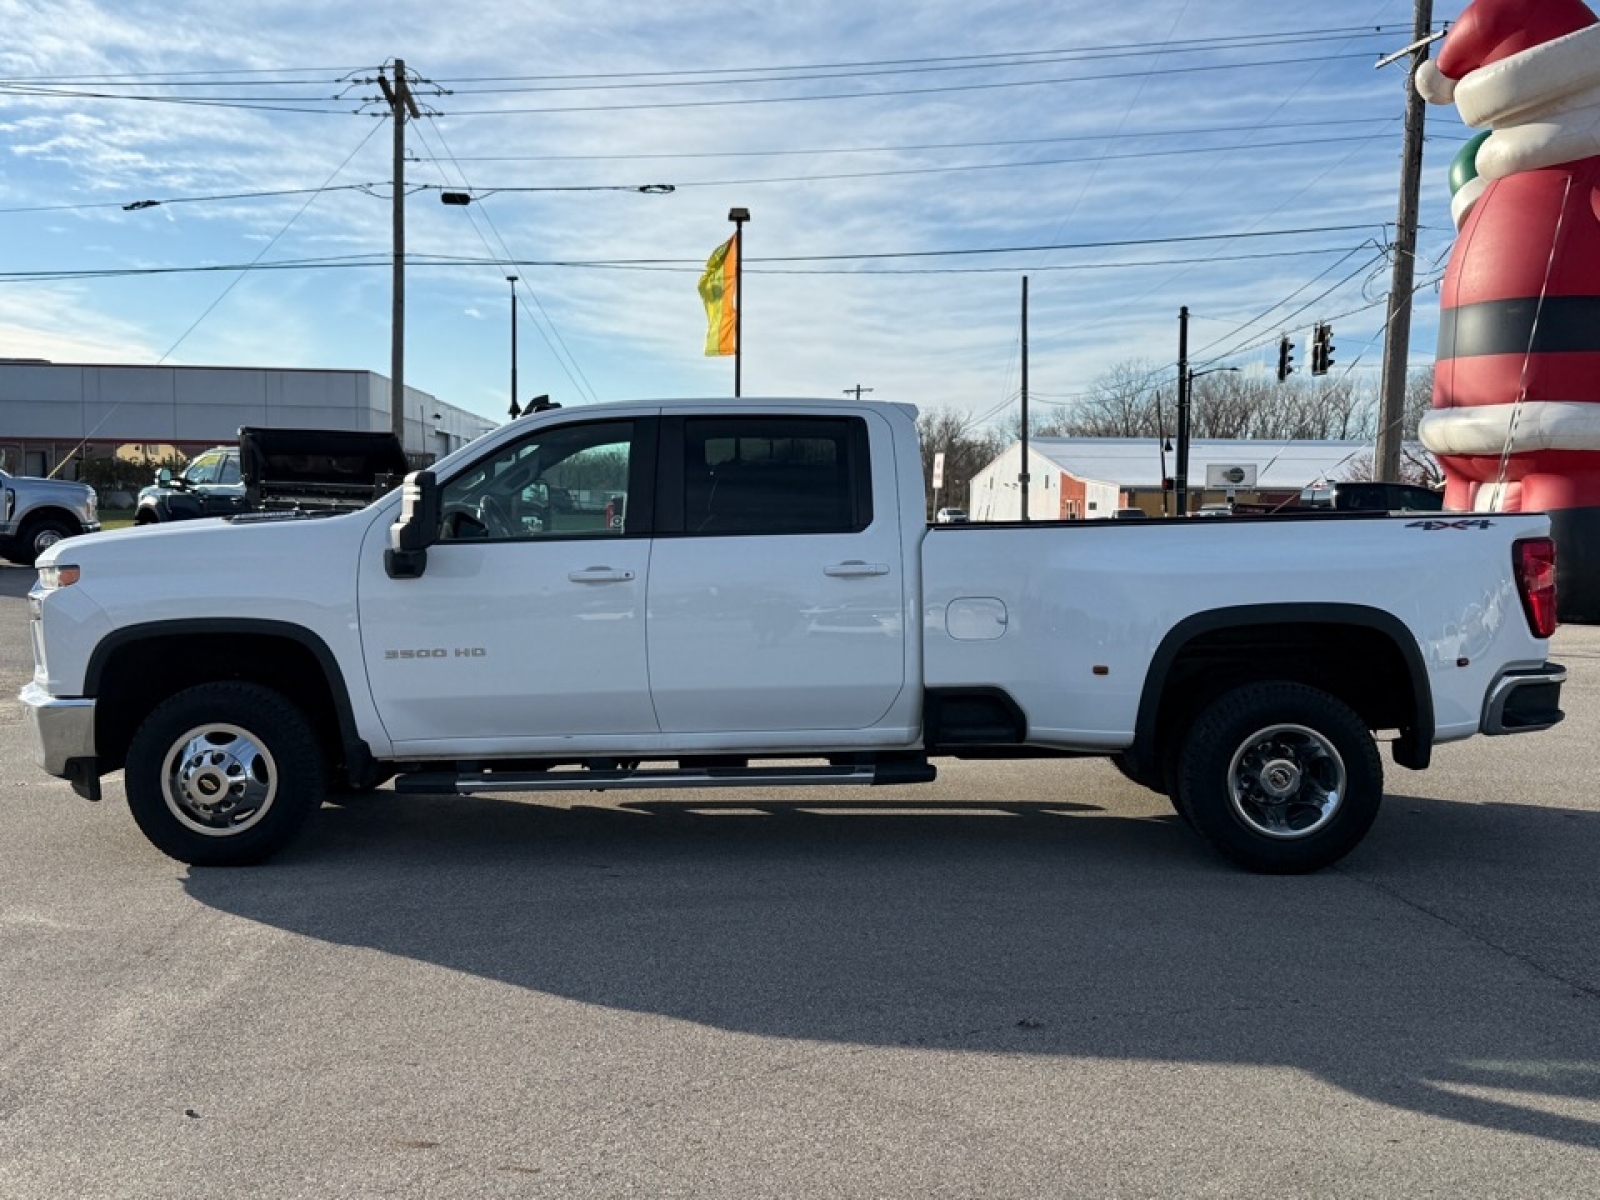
column 1534, row 560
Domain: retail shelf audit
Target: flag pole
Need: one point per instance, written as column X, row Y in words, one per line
column 738, row 216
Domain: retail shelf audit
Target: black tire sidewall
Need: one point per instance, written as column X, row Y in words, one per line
column 271, row 719
column 1237, row 715
column 26, row 555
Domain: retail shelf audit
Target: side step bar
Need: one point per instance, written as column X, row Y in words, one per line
column 584, row 780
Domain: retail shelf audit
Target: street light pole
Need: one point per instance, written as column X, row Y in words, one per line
column 1185, row 399
column 515, row 410
column 1161, row 448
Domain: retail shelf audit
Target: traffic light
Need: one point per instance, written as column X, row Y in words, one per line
column 1285, row 357
column 1321, row 348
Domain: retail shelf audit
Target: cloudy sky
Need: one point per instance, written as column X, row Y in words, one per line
column 904, row 167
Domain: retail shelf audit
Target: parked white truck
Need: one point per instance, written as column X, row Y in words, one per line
column 750, row 596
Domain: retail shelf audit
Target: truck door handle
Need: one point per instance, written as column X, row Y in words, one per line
column 600, row 575
column 855, row 567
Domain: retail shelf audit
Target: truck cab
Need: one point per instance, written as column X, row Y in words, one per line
column 210, row 486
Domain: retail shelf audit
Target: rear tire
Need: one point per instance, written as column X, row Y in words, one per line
column 1280, row 778
column 224, row 774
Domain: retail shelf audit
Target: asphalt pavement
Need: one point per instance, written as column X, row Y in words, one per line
column 1026, row 980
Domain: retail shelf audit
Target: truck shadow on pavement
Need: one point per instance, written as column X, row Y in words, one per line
column 1449, row 967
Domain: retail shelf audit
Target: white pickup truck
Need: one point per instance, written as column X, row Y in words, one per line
column 747, row 593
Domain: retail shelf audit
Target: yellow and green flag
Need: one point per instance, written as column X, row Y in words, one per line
column 719, row 289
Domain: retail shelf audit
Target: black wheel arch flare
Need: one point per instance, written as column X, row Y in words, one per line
column 243, row 630
column 1414, row 747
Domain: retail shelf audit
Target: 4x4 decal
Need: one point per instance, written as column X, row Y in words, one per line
column 1464, row 523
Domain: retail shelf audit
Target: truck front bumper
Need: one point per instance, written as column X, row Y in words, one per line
column 63, row 737
column 1524, row 699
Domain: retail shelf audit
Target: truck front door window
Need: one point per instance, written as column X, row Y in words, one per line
column 570, row 482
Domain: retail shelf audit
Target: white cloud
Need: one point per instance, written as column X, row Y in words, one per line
column 947, row 338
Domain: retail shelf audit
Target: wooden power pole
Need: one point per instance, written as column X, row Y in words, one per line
column 400, row 103
column 1397, row 330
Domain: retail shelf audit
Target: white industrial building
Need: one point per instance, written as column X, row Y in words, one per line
column 1087, row 478
column 53, row 413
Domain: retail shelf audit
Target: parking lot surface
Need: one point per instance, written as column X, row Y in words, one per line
column 1025, row 980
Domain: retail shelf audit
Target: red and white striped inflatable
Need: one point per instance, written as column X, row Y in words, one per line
column 1516, row 419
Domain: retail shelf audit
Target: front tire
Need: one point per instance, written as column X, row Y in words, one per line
column 38, row 536
column 1280, row 777
column 224, row 774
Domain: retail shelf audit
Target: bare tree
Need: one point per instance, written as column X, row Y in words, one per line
column 1228, row 405
column 1126, row 401
column 966, row 452
column 1419, row 400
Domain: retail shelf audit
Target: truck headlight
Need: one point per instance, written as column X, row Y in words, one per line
column 58, row 575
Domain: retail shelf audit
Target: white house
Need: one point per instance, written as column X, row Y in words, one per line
column 1086, row 478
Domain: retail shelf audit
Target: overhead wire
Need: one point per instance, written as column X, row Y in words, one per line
column 273, row 241
column 564, row 355
column 759, row 265
column 885, row 93
column 987, row 144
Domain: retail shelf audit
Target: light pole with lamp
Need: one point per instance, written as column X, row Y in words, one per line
column 460, row 199
column 515, row 410
column 1180, row 473
column 1162, row 446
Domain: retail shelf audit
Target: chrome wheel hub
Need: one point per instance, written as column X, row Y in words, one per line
column 1286, row 781
column 219, row 780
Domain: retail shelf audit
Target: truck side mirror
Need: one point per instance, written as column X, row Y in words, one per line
column 164, row 477
column 417, row 528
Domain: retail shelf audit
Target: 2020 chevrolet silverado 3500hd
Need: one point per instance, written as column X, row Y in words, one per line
column 746, row 593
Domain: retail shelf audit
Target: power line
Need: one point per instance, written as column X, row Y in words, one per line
column 187, row 102
column 1009, row 166
column 535, row 84
column 273, row 241
column 254, row 76
column 142, row 204
column 682, row 263
column 914, row 148
column 584, row 387
column 887, row 93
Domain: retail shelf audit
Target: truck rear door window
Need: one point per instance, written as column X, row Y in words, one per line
column 775, row 475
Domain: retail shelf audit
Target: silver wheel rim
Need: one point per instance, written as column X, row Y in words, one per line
column 1286, row 781
column 45, row 538
column 219, row 780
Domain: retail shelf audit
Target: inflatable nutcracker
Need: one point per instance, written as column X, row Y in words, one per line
column 1516, row 404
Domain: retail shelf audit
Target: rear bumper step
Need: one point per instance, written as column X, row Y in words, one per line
column 1524, row 700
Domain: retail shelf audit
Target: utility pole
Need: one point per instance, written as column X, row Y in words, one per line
column 400, row 103
column 1180, row 468
column 1397, row 330
column 856, row 391
column 1022, row 475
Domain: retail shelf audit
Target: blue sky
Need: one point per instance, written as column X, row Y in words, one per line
column 1120, row 146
